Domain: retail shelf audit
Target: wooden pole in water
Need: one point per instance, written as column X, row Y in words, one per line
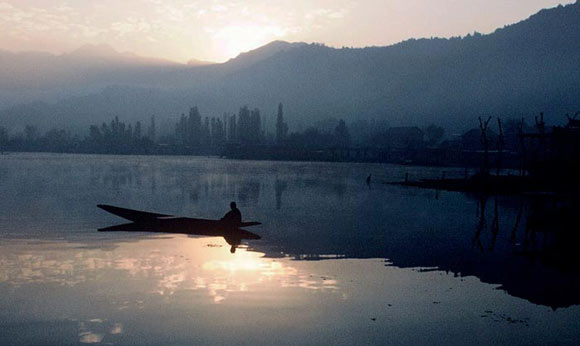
column 494, row 226
column 500, row 145
column 483, row 127
column 518, row 218
column 523, row 148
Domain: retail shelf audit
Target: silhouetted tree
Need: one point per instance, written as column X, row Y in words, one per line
column 434, row 134
column 193, row 128
column 151, row 131
column 181, row 130
column 205, row 132
column 137, row 133
column 485, row 142
column 281, row 126
column 341, row 135
column 30, row 133
column 3, row 138
column 129, row 133
column 217, row 131
column 249, row 125
column 243, row 133
column 255, row 130
column 57, row 140
column 232, row 129
column 312, row 138
column 95, row 134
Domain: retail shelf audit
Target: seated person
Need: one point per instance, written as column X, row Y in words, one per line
column 233, row 216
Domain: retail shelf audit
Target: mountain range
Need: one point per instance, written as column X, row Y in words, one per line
column 517, row 71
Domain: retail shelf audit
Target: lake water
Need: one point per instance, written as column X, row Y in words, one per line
column 339, row 262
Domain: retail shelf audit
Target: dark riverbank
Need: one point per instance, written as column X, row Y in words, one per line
column 431, row 157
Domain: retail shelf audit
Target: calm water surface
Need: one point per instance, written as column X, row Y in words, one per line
column 338, row 263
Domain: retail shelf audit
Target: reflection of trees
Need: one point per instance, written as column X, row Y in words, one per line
column 249, row 191
column 545, row 274
column 543, row 228
column 119, row 176
column 544, row 232
column 551, row 231
column 280, row 186
column 482, row 223
column 339, row 187
column 335, row 185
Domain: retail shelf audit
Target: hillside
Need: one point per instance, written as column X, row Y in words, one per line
column 517, row 71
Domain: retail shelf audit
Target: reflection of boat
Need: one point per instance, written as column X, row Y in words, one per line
column 152, row 222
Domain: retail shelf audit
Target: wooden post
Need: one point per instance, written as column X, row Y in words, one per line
column 482, row 223
column 484, row 140
column 518, row 218
column 541, row 125
column 500, row 146
column 494, row 225
column 523, row 148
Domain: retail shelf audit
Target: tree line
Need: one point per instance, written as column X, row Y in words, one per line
column 195, row 134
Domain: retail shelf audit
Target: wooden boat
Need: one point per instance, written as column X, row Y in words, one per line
column 143, row 221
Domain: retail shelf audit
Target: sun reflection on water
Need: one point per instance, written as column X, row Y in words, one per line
column 100, row 288
column 160, row 266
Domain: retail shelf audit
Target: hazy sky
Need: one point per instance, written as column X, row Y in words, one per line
column 217, row 30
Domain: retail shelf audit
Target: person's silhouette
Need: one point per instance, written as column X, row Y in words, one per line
column 233, row 216
column 233, row 241
column 369, row 180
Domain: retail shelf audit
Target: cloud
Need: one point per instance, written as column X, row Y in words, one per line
column 4, row 6
column 178, row 29
column 219, row 8
column 326, row 13
column 178, row 25
column 131, row 26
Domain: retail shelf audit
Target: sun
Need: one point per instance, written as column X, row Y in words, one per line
column 234, row 39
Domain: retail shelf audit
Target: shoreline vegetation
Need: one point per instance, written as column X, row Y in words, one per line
column 545, row 158
column 548, row 160
column 421, row 156
column 245, row 136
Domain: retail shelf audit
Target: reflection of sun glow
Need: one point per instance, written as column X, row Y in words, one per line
column 246, row 264
column 244, row 272
column 90, row 338
column 161, row 266
column 233, row 266
column 116, row 329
